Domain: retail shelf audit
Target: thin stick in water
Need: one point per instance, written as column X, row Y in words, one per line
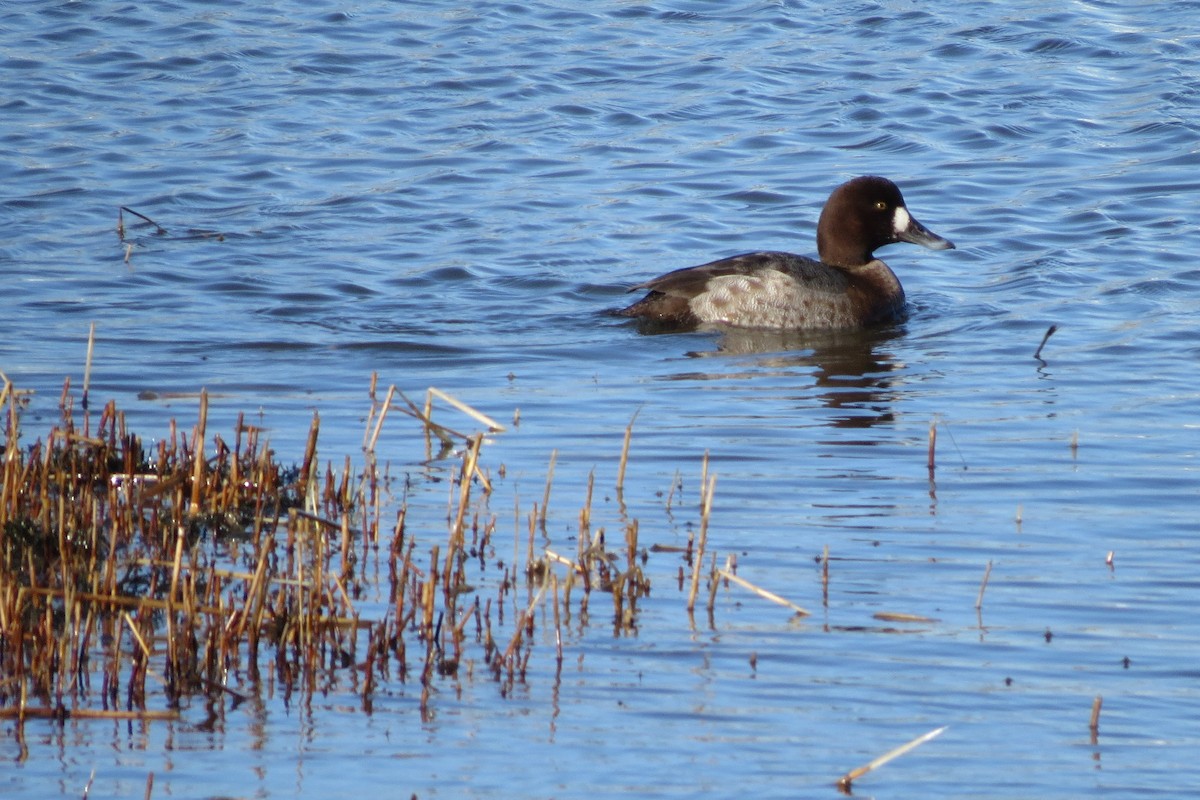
column 198, row 447
column 1049, row 332
column 763, row 593
column 87, row 365
column 846, row 780
column 159, row 229
column 983, row 585
column 475, row 414
column 373, row 439
column 825, row 577
column 932, row 463
column 546, row 494
column 625, row 452
column 702, row 540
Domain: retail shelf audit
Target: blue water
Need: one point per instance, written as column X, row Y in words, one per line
column 454, row 197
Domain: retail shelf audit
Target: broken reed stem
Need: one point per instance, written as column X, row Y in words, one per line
column 121, row 600
column 478, row 416
column 158, row 229
column 546, row 494
column 87, row 370
column 137, row 635
column 198, row 454
column 47, row 712
column 1049, row 332
column 702, row 540
column 309, row 466
column 1094, row 725
column 373, row 439
column 932, row 462
column 426, row 416
column 825, row 577
column 553, row 556
column 522, row 623
column 177, row 565
column 846, row 780
column 983, row 585
column 445, row 435
column 625, row 453
column 714, row 584
column 372, row 388
column 763, row 593
column 469, row 465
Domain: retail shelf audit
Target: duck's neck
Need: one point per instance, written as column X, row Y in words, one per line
column 880, row 290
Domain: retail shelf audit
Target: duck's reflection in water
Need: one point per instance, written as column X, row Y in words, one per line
column 852, row 373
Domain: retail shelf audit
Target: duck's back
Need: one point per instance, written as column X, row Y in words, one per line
column 773, row 290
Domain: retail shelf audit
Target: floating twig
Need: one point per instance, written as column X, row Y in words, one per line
column 47, row 712
column 158, row 229
column 477, row 415
column 761, row 592
column 846, row 780
column 897, row 616
column 444, row 434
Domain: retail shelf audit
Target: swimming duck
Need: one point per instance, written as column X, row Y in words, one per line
column 847, row 288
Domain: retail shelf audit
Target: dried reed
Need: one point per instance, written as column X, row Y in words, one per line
column 983, row 585
column 200, row 557
column 763, row 593
column 709, row 484
column 931, row 461
column 844, row 783
column 196, row 559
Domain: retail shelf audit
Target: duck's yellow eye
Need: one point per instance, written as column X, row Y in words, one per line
column 881, row 206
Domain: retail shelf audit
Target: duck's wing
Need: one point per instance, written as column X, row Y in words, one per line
column 690, row 282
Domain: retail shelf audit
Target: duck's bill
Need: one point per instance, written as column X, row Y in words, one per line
column 917, row 233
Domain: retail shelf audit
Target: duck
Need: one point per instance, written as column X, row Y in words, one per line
column 847, row 288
